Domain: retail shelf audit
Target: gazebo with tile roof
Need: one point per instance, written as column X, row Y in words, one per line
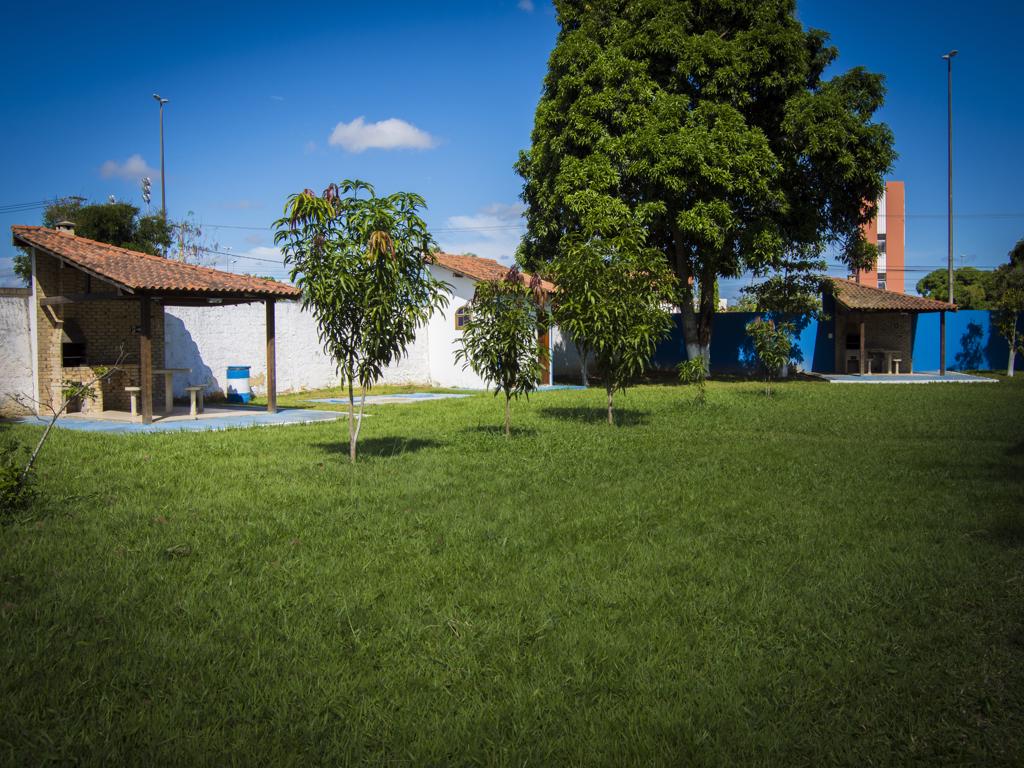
column 884, row 318
column 97, row 298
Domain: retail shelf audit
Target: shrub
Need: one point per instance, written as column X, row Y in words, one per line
column 695, row 372
column 16, row 492
column 773, row 343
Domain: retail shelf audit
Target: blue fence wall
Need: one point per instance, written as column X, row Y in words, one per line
column 733, row 352
column 972, row 343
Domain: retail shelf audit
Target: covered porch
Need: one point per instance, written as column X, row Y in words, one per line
column 874, row 332
column 98, row 318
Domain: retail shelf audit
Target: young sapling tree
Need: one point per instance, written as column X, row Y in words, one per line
column 695, row 372
column 362, row 264
column 613, row 295
column 500, row 339
column 773, row 343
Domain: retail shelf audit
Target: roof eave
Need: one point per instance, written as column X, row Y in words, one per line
column 74, row 264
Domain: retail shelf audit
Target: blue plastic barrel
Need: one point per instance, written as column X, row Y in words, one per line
column 238, row 384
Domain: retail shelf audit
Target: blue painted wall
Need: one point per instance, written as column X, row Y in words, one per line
column 972, row 342
column 733, row 352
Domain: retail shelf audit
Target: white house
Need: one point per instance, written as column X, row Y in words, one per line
column 462, row 273
column 209, row 339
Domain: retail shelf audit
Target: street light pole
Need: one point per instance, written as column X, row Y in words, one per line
column 163, row 185
column 949, row 121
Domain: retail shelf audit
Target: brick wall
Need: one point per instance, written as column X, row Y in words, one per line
column 107, row 326
column 887, row 330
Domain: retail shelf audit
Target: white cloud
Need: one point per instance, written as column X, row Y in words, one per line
column 132, row 169
column 392, row 133
column 310, row 147
column 493, row 232
column 525, row 5
column 277, row 98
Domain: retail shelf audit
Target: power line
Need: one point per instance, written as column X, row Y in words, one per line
column 242, row 256
column 32, row 205
column 521, row 225
column 433, row 229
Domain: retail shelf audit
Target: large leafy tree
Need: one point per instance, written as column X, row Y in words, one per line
column 972, row 288
column 118, row 224
column 361, row 262
column 1008, row 299
column 713, row 120
column 500, row 339
column 612, row 300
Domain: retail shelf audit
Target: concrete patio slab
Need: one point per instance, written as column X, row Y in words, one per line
column 922, row 377
column 402, row 399
column 213, row 418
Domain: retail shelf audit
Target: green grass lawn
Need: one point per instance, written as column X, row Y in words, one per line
column 834, row 575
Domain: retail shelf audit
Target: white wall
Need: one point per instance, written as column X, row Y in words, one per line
column 15, row 350
column 211, row 338
column 443, row 336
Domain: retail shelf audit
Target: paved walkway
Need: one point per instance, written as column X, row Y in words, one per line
column 213, row 418
column 922, row 377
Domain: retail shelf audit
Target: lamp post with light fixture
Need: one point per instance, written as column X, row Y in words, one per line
column 163, row 187
column 949, row 123
column 949, row 144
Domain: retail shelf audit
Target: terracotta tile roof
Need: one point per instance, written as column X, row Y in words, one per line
column 478, row 268
column 144, row 273
column 866, row 299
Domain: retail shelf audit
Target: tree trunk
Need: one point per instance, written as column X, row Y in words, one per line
column 351, row 422
column 611, row 416
column 706, row 315
column 696, row 327
column 1013, row 350
column 359, row 426
column 583, row 366
column 508, row 415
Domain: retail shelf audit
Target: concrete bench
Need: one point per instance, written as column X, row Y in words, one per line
column 133, row 393
column 195, row 395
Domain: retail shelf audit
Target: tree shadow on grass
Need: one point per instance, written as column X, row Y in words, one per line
column 1007, row 529
column 1016, row 450
column 597, row 415
column 498, row 429
column 385, row 447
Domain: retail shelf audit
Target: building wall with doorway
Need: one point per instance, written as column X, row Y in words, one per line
column 887, row 231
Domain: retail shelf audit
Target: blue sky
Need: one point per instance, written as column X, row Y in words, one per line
column 266, row 99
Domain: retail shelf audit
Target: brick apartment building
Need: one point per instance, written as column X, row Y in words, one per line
column 888, row 231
